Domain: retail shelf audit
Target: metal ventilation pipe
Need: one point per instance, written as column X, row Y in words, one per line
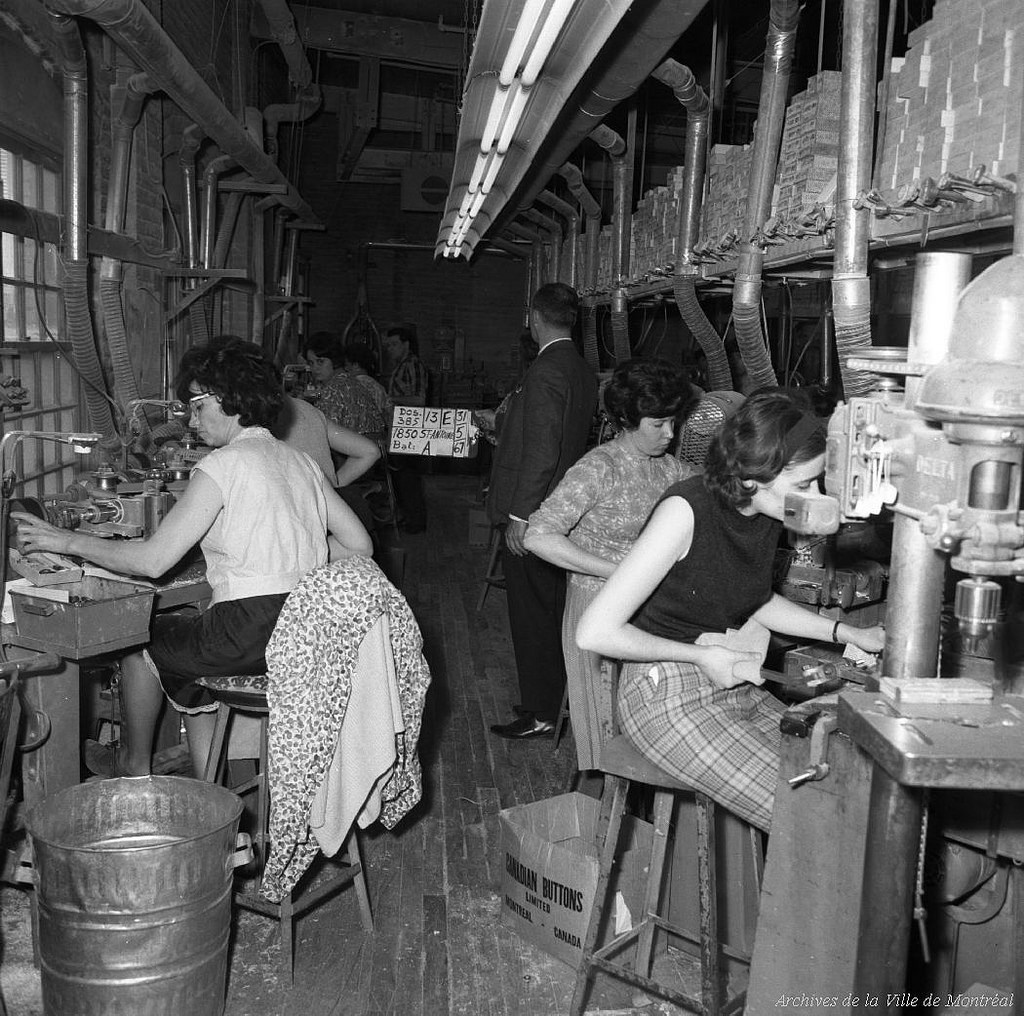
column 746, row 298
column 288, row 112
column 649, row 31
column 554, row 232
column 615, row 146
column 191, row 139
column 536, row 250
column 851, row 287
column 592, row 210
column 571, row 231
column 213, row 170
column 130, row 24
column 76, row 265
column 695, row 101
column 123, row 124
column 282, row 28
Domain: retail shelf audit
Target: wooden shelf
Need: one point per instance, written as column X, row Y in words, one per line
column 984, row 227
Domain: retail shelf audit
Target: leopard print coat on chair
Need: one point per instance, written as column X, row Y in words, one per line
column 310, row 659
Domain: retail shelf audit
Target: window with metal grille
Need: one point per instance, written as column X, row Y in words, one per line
column 31, row 357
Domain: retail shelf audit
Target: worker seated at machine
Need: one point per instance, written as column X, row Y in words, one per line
column 689, row 694
column 261, row 513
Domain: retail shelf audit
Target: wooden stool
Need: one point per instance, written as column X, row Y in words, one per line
column 248, row 695
column 493, row 576
column 622, row 765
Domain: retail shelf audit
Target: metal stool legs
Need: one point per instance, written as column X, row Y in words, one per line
column 710, row 1001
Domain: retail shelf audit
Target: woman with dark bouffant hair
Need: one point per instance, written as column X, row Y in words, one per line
column 590, row 520
column 689, row 695
column 261, row 513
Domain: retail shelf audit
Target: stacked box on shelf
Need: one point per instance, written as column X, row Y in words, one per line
column 809, row 153
column 955, row 100
column 725, row 205
column 655, row 226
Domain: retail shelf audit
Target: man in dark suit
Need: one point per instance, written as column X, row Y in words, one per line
column 544, row 432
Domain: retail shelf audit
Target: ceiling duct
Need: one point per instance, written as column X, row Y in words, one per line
column 137, row 32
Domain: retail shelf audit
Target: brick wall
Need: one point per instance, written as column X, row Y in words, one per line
column 483, row 299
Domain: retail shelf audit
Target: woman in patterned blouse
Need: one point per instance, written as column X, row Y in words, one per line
column 591, row 519
column 342, row 398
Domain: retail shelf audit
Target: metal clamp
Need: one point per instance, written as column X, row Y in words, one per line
column 824, row 724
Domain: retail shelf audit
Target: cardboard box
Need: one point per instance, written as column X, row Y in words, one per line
column 549, row 873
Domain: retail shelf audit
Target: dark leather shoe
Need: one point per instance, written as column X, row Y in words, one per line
column 524, row 727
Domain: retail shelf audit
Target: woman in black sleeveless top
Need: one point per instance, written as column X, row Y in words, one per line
column 702, row 566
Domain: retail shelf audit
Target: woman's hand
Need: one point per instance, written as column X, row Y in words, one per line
column 36, row 535
column 726, row 668
column 871, row 640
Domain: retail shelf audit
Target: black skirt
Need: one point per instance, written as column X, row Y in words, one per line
column 227, row 638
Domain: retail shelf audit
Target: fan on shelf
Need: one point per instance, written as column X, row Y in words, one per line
column 700, row 426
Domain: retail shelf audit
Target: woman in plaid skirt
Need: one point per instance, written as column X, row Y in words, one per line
column 689, row 694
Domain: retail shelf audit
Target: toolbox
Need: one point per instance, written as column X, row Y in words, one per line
column 88, row 617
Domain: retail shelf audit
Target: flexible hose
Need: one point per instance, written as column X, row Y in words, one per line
column 200, row 328
column 590, row 350
column 778, row 59
column 719, row 374
column 620, row 331
column 126, row 386
column 83, row 345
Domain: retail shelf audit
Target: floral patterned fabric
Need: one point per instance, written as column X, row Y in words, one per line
column 603, row 501
column 310, row 661
column 344, row 400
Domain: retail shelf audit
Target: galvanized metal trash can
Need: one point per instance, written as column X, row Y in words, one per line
column 134, row 888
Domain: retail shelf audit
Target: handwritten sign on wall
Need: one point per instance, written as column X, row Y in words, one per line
column 420, row 430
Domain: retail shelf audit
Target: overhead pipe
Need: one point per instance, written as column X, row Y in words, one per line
column 129, row 24
column 554, row 231
column 122, row 129
column 288, row 112
column 76, row 262
column 622, row 186
column 648, row 32
column 191, row 139
column 516, row 250
column 536, row 250
column 571, row 231
column 591, row 255
column 592, row 211
column 214, row 169
column 746, row 298
column 851, row 287
column 282, row 29
column 695, row 101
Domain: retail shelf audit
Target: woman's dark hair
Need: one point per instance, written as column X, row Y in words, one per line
column 770, row 431
column 654, row 388
column 247, row 383
column 327, row 345
column 361, row 354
